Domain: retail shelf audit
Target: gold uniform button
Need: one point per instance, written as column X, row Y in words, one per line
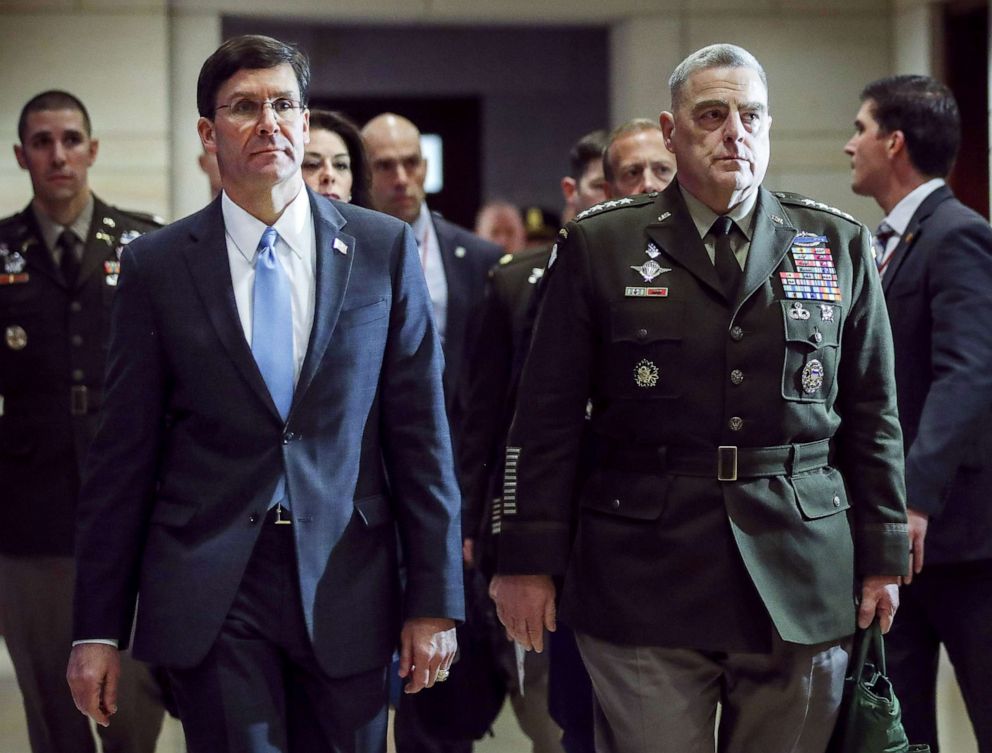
column 736, row 334
column 75, row 307
column 77, row 340
column 736, row 376
column 736, row 423
column 78, row 375
column 836, row 501
column 615, row 504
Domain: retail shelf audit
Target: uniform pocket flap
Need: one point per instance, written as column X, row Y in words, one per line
column 649, row 320
column 639, row 496
column 812, row 323
column 170, row 513
column 820, row 494
column 374, row 510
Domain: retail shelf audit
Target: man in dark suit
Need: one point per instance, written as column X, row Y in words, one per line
column 746, row 479
column 935, row 257
column 455, row 261
column 58, row 274
column 274, row 414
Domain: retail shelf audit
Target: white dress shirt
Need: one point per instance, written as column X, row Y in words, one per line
column 430, row 260
column 898, row 219
column 297, row 252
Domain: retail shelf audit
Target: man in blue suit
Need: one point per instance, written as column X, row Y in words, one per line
column 274, row 414
column 935, row 257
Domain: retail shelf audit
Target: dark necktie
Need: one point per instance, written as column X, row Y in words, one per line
column 68, row 261
column 727, row 268
column 882, row 237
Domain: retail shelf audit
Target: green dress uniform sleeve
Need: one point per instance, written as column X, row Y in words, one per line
column 546, row 432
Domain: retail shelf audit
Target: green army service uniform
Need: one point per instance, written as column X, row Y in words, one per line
column 52, row 360
column 748, row 466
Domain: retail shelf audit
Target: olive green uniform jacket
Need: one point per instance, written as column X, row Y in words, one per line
column 665, row 553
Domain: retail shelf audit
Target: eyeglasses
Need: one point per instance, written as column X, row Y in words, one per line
column 249, row 110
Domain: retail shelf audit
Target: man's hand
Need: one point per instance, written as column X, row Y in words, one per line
column 917, row 533
column 879, row 596
column 427, row 646
column 525, row 605
column 93, row 672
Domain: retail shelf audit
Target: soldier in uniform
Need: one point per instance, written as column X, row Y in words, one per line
column 635, row 159
column 493, row 373
column 746, row 489
column 58, row 273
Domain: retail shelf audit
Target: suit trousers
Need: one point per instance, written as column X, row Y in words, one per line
column 36, row 604
column 664, row 700
column 949, row 604
column 260, row 688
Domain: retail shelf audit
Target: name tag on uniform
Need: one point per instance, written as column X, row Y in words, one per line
column 638, row 292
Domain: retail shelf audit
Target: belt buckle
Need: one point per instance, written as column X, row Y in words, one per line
column 726, row 463
column 79, row 400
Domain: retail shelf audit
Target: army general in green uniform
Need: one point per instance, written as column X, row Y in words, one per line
column 747, row 489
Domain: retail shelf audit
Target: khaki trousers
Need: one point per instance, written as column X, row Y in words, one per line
column 662, row 700
column 36, row 609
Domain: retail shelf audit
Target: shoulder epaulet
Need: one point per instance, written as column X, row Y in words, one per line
column 610, row 204
column 145, row 217
column 799, row 200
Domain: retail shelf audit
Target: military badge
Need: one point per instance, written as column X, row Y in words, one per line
column 826, row 312
column 798, row 311
column 536, row 273
column 111, row 271
column 652, row 250
column 101, row 235
column 645, row 374
column 817, row 335
column 650, row 269
column 109, row 222
column 13, row 263
column 812, row 376
column 663, row 217
column 129, row 235
column 15, row 337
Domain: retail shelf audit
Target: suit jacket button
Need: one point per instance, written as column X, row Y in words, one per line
column 253, row 518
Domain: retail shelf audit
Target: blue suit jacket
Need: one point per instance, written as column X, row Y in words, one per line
column 938, row 289
column 191, row 445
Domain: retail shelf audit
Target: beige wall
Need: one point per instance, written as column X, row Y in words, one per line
column 113, row 56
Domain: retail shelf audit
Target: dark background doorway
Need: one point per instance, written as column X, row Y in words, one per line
column 457, row 120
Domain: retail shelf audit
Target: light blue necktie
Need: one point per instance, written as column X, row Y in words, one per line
column 272, row 331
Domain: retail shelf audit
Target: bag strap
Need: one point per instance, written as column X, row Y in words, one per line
column 870, row 643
